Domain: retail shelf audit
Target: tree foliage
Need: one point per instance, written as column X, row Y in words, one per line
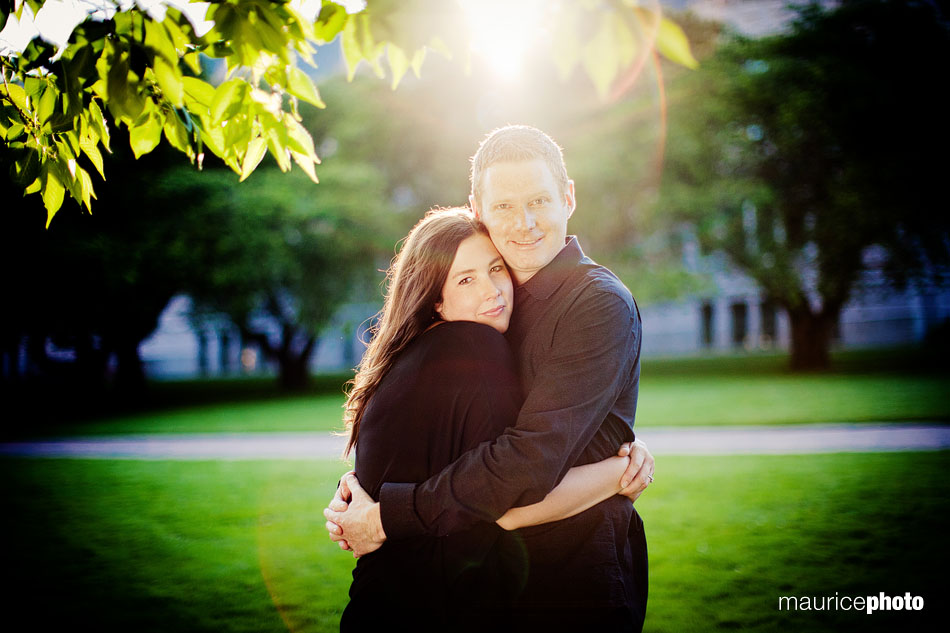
column 140, row 64
column 284, row 254
column 795, row 153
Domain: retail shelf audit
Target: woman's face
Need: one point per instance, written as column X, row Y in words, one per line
column 478, row 287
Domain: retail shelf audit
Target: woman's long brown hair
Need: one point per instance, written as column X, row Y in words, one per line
column 414, row 286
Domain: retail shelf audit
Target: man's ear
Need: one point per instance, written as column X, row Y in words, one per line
column 569, row 198
column 474, row 207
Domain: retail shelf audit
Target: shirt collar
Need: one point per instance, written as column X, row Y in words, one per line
column 544, row 282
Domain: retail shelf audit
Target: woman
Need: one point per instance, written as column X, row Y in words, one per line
column 437, row 380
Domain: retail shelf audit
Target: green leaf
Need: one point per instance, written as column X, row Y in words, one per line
column 65, row 170
column 600, row 56
column 359, row 44
column 228, row 100
column 145, row 136
column 169, row 78
column 213, row 137
column 124, row 101
column 177, row 135
column 306, row 163
column 179, row 39
column 34, row 187
column 18, row 95
column 330, row 22
column 398, row 63
column 34, row 86
column 26, row 168
column 71, row 138
column 46, row 106
column 69, row 85
column 193, row 61
column 417, row 59
column 90, row 147
column 300, row 86
column 671, row 41
column 277, row 143
column 253, row 157
column 299, row 139
column 198, row 94
column 14, row 132
column 99, row 123
column 52, row 191
column 157, row 38
column 85, row 187
column 352, row 52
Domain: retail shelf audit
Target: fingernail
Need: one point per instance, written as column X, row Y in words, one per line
column 624, row 482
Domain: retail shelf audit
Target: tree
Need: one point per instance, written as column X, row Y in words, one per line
column 286, row 250
column 795, row 153
column 84, row 293
column 280, row 248
column 141, row 64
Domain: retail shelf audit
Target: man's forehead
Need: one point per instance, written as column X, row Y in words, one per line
column 531, row 174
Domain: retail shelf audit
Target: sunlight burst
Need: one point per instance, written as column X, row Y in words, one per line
column 503, row 31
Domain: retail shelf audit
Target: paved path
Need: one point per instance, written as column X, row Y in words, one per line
column 723, row 440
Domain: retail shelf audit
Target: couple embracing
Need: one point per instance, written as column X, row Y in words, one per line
column 492, row 419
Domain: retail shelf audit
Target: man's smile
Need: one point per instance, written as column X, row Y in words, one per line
column 527, row 243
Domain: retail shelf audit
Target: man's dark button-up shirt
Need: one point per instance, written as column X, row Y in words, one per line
column 576, row 332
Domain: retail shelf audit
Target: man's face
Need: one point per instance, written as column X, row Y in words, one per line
column 525, row 213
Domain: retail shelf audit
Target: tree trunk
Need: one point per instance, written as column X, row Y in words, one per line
column 811, row 338
column 294, row 371
column 295, row 368
column 294, row 375
column 130, row 374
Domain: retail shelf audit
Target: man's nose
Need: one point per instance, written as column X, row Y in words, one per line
column 525, row 219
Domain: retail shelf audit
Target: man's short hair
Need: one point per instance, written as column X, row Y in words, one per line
column 517, row 143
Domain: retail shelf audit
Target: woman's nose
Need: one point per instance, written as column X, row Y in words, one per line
column 491, row 290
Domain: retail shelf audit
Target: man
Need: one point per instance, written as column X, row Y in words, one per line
column 576, row 332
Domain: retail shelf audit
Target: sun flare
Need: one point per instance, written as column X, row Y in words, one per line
column 503, row 31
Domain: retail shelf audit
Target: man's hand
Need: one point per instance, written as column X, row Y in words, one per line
column 639, row 473
column 359, row 524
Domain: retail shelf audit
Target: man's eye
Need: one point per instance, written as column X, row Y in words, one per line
column 497, row 269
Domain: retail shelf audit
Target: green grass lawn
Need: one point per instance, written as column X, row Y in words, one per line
column 788, row 399
column 665, row 400
column 305, row 413
column 239, row 546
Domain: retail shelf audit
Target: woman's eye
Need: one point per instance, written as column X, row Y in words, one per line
column 465, row 281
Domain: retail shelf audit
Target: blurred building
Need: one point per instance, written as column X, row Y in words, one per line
column 735, row 315
column 185, row 347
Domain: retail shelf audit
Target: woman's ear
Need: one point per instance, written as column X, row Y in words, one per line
column 438, row 309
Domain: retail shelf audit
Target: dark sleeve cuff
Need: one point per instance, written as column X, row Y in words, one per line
column 397, row 511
